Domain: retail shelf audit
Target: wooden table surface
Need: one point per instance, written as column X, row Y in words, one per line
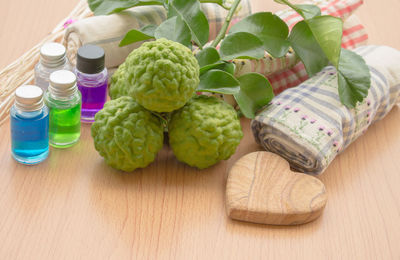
column 74, row 206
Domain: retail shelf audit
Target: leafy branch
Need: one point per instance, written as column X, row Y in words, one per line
column 104, row 7
column 225, row 26
column 316, row 40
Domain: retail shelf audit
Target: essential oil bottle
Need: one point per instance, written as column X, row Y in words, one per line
column 29, row 122
column 52, row 58
column 92, row 78
column 64, row 102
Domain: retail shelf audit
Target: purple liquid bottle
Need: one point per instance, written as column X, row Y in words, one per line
column 92, row 78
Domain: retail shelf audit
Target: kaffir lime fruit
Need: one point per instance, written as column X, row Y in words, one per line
column 205, row 131
column 119, row 83
column 127, row 135
column 163, row 75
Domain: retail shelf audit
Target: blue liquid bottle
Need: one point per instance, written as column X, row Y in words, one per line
column 29, row 121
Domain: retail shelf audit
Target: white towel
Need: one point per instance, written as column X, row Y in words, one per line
column 107, row 31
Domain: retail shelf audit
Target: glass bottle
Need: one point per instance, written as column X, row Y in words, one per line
column 29, row 123
column 52, row 58
column 64, row 102
column 92, row 79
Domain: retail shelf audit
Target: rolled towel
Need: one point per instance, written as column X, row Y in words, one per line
column 108, row 30
column 308, row 125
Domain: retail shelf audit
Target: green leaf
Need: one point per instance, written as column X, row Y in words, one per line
column 227, row 67
column 241, row 45
column 327, row 30
column 305, row 10
column 211, row 66
column 255, row 92
column 189, row 11
column 102, row 7
column 307, row 48
column 308, row 11
column 354, row 78
column 207, row 56
column 220, row 2
column 220, row 65
column 269, row 28
column 136, row 36
column 218, row 81
column 317, row 41
column 174, row 29
column 149, row 29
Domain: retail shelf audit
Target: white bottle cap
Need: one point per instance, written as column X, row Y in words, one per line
column 62, row 83
column 52, row 54
column 29, row 98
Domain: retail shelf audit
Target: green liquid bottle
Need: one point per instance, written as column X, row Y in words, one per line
column 64, row 101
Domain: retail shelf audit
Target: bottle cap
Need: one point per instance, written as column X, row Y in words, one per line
column 52, row 54
column 62, row 83
column 90, row 59
column 29, row 98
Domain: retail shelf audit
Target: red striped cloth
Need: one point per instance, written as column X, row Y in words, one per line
column 338, row 8
column 354, row 35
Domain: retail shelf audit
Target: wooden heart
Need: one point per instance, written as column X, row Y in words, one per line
column 261, row 188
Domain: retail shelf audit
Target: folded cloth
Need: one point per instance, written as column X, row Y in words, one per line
column 308, row 126
column 107, row 31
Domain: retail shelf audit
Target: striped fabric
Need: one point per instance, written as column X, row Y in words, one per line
column 267, row 65
column 354, row 34
column 338, row 8
column 308, row 125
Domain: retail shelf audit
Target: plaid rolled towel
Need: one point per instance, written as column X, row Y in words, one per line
column 308, row 125
column 108, row 30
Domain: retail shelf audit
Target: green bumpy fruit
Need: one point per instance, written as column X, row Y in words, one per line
column 119, row 83
column 205, row 131
column 127, row 135
column 163, row 75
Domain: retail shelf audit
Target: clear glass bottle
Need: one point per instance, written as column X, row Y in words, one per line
column 29, row 123
column 92, row 80
column 52, row 58
column 64, row 102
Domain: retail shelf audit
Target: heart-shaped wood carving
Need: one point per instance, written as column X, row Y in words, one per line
column 261, row 188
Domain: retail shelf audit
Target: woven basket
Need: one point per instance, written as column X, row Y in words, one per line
column 21, row 72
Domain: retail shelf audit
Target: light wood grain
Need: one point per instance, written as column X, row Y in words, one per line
column 261, row 188
column 73, row 206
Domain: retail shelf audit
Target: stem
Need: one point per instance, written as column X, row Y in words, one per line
column 224, row 28
column 225, row 7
